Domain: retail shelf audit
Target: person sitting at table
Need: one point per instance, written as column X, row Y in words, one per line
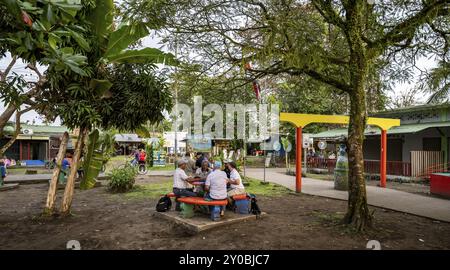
column 216, row 185
column 200, row 175
column 190, row 165
column 226, row 169
column 181, row 183
column 236, row 185
column 202, row 172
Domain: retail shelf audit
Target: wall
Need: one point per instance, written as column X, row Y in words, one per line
column 372, row 147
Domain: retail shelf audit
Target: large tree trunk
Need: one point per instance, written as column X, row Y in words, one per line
column 358, row 212
column 70, row 185
column 51, row 195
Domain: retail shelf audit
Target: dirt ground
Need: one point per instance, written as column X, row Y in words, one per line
column 102, row 220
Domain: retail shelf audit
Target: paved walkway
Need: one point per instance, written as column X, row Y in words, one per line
column 430, row 207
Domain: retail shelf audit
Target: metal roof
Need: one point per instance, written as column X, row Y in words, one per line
column 127, row 138
column 425, row 107
column 371, row 131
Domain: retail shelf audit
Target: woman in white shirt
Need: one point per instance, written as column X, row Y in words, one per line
column 236, row 185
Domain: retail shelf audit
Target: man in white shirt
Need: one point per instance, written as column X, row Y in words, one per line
column 181, row 186
column 216, row 185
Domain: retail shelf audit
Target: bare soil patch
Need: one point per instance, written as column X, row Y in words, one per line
column 102, row 220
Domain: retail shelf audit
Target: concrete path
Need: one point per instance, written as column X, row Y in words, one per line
column 430, row 207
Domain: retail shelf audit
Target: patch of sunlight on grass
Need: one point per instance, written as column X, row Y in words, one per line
column 270, row 189
column 152, row 190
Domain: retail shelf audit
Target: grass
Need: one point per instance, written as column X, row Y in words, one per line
column 152, row 190
column 270, row 189
column 155, row 190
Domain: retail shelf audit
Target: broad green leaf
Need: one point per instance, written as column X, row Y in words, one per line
column 123, row 37
column 101, row 19
column 92, row 162
column 147, row 55
column 70, row 9
column 80, row 40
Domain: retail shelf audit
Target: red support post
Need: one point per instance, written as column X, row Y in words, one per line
column 383, row 159
column 298, row 160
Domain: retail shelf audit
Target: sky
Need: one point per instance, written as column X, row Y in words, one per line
column 151, row 41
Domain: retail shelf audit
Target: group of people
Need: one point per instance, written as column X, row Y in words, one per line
column 220, row 182
column 139, row 157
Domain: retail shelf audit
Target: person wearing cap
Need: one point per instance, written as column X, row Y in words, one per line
column 235, row 181
column 181, row 186
column 216, row 185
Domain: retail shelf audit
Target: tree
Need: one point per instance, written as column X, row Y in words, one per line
column 32, row 32
column 117, row 89
column 437, row 82
column 337, row 43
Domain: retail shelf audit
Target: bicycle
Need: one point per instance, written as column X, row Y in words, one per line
column 141, row 167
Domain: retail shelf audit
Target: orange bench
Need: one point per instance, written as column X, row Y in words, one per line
column 201, row 201
column 239, row 197
column 170, row 195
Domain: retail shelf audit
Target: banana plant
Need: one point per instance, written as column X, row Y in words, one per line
column 99, row 150
column 93, row 161
column 114, row 42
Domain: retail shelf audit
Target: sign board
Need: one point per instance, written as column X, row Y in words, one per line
column 289, row 147
column 268, row 158
column 322, row 145
column 306, row 141
column 159, row 159
column 277, row 146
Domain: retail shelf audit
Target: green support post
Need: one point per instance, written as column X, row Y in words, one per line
column 444, row 148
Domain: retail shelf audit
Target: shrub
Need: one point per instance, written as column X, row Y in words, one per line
column 122, row 179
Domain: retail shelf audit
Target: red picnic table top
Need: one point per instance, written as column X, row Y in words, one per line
column 201, row 201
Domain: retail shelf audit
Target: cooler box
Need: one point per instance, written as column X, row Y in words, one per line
column 440, row 184
column 242, row 206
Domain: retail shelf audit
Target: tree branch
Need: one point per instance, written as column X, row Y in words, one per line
column 4, row 74
column 406, row 29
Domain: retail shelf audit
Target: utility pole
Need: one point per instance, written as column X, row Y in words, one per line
column 176, row 104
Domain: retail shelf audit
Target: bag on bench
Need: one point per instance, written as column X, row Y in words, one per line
column 164, row 204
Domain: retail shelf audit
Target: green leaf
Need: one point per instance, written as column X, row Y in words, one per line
column 80, row 40
column 100, row 86
column 70, row 9
column 50, row 16
column 14, row 8
column 147, row 55
column 101, row 19
column 123, row 37
column 92, row 162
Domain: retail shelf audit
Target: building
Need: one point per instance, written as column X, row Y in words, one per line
column 127, row 143
column 418, row 146
column 35, row 144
